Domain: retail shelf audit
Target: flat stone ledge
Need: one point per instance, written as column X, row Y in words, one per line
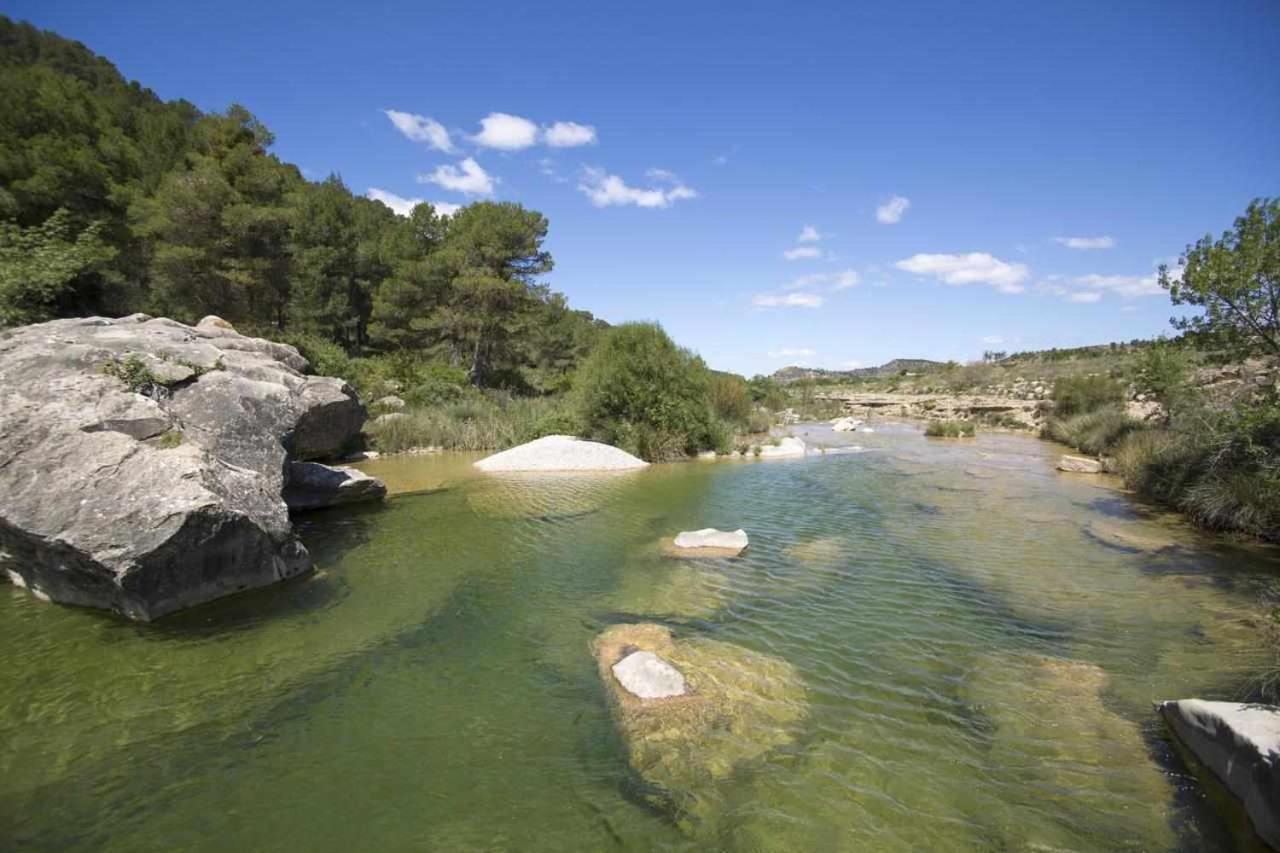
column 1240, row 744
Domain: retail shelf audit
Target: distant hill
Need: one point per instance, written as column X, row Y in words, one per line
column 890, row 368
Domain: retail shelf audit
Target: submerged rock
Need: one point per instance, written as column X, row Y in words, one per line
column 789, row 446
column 561, row 453
column 845, row 424
column 1079, row 465
column 1240, row 745
column 709, row 539
column 1082, row 767
column 315, row 486
column 143, row 460
column 647, row 676
column 737, row 705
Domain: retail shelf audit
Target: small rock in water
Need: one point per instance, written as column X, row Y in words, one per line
column 648, row 676
column 845, row 424
column 789, row 446
column 709, row 537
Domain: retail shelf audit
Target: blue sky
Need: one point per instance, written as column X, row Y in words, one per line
column 947, row 163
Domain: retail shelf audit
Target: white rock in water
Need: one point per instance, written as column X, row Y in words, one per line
column 648, row 676
column 845, row 424
column 1079, row 465
column 709, row 537
column 789, row 446
column 866, row 429
column 1240, row 744
column 561, row 453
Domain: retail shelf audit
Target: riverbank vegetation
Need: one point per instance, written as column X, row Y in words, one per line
column 1214, row 457
column 950, row 429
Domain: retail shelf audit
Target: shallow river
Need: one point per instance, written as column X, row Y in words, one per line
column 976, row 641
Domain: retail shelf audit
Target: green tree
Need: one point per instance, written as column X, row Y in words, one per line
column 640, row 391
column 47, row 269
column 219, row 226
column 1236, row 280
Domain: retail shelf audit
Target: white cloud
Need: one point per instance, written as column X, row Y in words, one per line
column 972, row 268
column 892, row 211
column 506, row 132
column 605, row 190
column 792, row 352
column 809, row 234
column 467, row 177
column 664, row 175
column 569, row 134
column 1086, row 242
column 787, row 300
column 1091, row 288
column 402, row 206
column 421, row 129
column 842, row 280
column 445, row 208
column 802, row 253
column 993, row 339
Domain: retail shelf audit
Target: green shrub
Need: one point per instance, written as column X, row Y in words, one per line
column 324, row 356
column 133, row 372
column 730, row 397
column 950, row 429
column 1078, row 395
column 641, row 392
column 1096, row 432
column 1163, row 369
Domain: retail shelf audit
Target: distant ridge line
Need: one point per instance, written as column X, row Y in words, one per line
column 889, row 368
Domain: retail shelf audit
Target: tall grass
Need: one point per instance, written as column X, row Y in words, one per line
column 1095, row 432
column 950, row 429
column 477, row 423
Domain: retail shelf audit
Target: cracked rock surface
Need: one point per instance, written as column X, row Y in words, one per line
column 143, row 461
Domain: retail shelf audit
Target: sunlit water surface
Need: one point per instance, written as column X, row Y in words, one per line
column 979, row 640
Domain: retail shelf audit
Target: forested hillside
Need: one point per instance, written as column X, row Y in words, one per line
column 113, row 201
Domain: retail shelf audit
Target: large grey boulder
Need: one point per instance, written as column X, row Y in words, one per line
column 314, row 486
column 1240, row 744
column 143, row 460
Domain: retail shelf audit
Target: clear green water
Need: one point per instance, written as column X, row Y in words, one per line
column 979, row 641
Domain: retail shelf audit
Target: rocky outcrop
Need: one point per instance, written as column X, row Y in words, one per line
column 314, row 486
column 144, row 460
column 1079, row 465
column 561, row 453
column 1026, row 413
column 1240, row 745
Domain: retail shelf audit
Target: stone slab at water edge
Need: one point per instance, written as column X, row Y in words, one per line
column 647, row 676
column 561, row 453
column 1240, row 744
column 144, row 460
column 1079, row 465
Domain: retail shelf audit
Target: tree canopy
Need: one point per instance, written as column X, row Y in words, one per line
column 1236, row 280
column 114, row 201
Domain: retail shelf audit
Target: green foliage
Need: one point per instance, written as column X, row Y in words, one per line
column 641, row 392
column 49, row 268
column 1095, row 432
column 1236, row 281
column 133, row 372
column 324, row 357
column 730, row 397
column 950, row 429
column 1078, row 395
column 113, row 201
column 170, row 439
column 1163, row 369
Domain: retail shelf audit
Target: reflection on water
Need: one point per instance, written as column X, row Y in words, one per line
column 978, row 640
